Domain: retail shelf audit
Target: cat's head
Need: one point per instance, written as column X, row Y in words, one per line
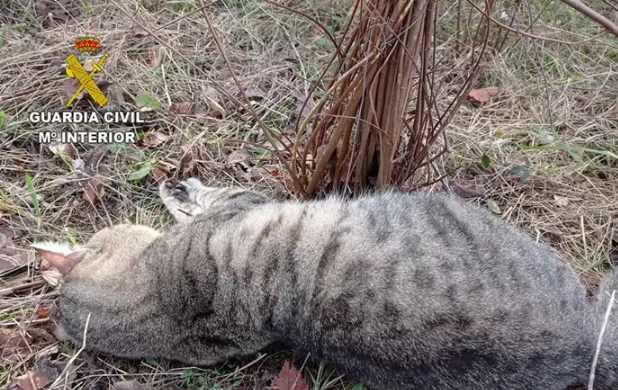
column 100, row 279
column 105, row 254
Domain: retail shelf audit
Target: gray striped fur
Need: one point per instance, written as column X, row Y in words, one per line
column 399, row 291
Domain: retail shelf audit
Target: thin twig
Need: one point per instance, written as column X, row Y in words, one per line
column 594, row 15
column 516, row 31
column 22, row 287
column 600, row 341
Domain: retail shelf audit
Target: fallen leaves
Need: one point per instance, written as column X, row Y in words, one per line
column 66, row 152
column 154, row 138
column 32, row 380
column 45, row 372
column 181, row 108
column 11, row 256
column 483, row 95
column 469, row 190
column 159, row 172
column 93, row 190
column 289, row 379
column 14, row 346
column 240, row 158
column 260, row 173
column 186, row 165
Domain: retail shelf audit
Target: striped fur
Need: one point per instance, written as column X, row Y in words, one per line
column 399, row 291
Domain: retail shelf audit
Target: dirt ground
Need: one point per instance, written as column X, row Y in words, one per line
column 542, row 153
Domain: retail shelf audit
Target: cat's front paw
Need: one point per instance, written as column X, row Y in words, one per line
column 173, row 188
column 177, row 197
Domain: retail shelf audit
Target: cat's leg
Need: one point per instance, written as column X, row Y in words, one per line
column 207, row 198
column 178, row 202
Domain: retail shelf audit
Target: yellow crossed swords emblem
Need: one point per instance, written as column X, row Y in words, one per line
column 76, row 70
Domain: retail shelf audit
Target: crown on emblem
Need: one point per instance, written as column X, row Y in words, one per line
column 87, row 43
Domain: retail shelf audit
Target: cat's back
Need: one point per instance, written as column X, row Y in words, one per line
column 450, row 253
column 432, row 278
column 434, row 246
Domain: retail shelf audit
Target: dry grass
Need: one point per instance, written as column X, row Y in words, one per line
column 557, row 107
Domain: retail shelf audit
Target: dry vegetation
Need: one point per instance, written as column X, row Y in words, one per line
column 543, row 152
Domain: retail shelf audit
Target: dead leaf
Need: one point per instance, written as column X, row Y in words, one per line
column 65, row 151
column 43, row 312
column 483, row 95
column 50, row 369
column 181, row 108
column 131, row 385
column 186, row 165
column 468, row 190
column 11, row 256
column 32, row 380
column 153, row 138
column 240, row 157
column 289, row 379
column 93, row 190
column 13, row 346
column 159, row 172
column 261, row 173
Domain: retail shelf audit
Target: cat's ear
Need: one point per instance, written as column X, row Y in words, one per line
column 59, row 256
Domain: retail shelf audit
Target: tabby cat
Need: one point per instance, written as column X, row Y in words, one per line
column 397, row 290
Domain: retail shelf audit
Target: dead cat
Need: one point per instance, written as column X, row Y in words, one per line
column 397, row 290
